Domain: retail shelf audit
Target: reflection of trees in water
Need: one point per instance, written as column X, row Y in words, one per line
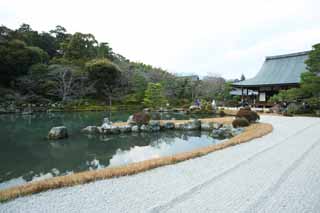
column 24, row 148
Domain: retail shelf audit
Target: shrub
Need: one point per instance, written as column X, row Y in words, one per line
column 251, row 116
column 221, row 113
column 240, row 122
column 141, row 118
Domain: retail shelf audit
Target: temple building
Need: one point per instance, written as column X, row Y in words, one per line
column 277, row 73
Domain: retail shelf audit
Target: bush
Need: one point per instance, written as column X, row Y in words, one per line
column 141, row 118
column 221, row 113
column 251, row 116
column 240, row 122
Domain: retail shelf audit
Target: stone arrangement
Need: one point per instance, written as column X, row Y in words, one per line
column 218, row 130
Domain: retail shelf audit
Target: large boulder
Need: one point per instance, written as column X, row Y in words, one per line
column 90, row 130
column 221, row 133
column 135, row 128
column 131, row 121
column 58, row 132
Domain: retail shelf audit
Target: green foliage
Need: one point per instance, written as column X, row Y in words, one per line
column 38, row 70
column 16, row 58
column 313, row 61
column 81, row 46
column 240, row 122
column 309, row 91
column 104, row 73
column 154, row 95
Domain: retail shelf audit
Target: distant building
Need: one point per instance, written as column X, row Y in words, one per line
column 277, row 73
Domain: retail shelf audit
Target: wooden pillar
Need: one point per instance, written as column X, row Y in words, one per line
column 241, row 94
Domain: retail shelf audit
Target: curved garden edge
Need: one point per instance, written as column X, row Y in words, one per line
column 253, row 131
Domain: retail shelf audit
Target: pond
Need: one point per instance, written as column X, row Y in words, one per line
column 26, row 155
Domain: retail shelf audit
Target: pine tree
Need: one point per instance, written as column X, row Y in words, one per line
column 154, row 95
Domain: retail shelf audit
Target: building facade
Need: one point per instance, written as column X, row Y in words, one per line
column 277, row 73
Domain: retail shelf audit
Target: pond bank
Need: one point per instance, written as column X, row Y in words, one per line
column 251, row 132
column 276, row 173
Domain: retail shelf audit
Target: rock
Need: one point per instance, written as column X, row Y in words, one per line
column 193, row 124
column 206, row 126
column 193, row 107
column 106, row 126
column 145, row 128
column 58, row 132
column 167, row 125
column 221, row 133
column 135, row 128
column 154, row 125
column 131, row 121
column 125, row 129
column 90, row 130
column 106, row 121
column 110, row 129
column 100, row 130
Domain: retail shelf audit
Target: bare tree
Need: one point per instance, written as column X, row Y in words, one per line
column 67, row 82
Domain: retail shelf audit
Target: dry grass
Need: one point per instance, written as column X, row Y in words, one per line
column 253, row 131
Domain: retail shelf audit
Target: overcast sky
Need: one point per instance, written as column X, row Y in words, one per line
column 224, row 37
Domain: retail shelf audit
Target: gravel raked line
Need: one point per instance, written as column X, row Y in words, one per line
column 279, row 172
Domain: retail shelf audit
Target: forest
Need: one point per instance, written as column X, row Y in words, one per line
column 76, row 69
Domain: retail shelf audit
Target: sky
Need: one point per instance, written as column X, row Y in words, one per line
column 221, row 37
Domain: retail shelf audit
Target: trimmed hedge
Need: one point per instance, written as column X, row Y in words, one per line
column 251, row 116
column 240, row 122
column 141, row 118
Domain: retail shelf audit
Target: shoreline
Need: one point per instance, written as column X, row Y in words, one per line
column 253, row 131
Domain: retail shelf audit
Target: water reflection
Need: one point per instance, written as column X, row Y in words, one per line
column 26, row 155
column 159, row 148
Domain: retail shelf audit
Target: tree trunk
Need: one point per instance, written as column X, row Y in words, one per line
column 110, row 105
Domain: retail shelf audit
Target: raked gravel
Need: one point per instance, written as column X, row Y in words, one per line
column 279, row 172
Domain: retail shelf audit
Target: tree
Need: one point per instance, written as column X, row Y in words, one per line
column 212, row 87
column 81, row 46
column 242, row 78
column 313, row 61
column 154, row 95
column 64, row 81
column 105, row 51
column 106, row 77
column 16, row 58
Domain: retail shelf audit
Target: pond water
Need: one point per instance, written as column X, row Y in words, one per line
column 26, row 154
